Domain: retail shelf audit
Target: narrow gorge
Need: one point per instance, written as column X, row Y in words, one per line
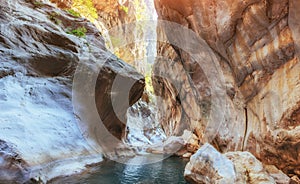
column 142, row 91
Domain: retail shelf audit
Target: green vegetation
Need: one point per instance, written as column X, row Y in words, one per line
column 86, row 9
column 79, row 32
column 124, row 8
column 74, row 13
column 148, row 81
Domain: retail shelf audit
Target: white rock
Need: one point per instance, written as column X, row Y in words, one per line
column 208, row 166
column 248, row 168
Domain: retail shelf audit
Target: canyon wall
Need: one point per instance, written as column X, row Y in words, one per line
column 256, row 43
column 40, row 49
column 112, row 16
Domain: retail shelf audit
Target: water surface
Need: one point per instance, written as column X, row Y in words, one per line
column 168, row 171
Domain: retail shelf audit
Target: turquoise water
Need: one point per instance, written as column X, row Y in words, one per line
column 168, row 171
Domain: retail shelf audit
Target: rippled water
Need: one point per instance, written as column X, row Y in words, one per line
column 168, row 171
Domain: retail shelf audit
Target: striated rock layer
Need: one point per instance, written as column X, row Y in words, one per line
column 257, row 45
column 39, row 133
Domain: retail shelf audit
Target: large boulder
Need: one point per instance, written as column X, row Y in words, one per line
column 248, row 169
column 208, row 165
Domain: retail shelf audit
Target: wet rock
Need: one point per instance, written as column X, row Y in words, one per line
column 183, row 146
column 187, row 155
column 190, row 146
column 156, row 149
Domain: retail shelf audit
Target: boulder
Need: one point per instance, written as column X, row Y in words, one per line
column 277, row 175
column 191, row 141
column 295, row 180
column 173, row 144
column 208, row 165
column 248, row 169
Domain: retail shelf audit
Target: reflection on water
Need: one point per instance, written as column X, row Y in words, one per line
column 168, row 171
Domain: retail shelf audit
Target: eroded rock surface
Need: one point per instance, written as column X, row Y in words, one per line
column 39, row 133
column 257, row 45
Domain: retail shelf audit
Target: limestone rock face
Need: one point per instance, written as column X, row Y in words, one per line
column 257, row 45
column 39, row 133
column 118, row 87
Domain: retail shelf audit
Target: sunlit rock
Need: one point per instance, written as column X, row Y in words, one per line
column 248, row 169
column 277, row 175
column 40, row 48
column 207, row 166
column 257, row 46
